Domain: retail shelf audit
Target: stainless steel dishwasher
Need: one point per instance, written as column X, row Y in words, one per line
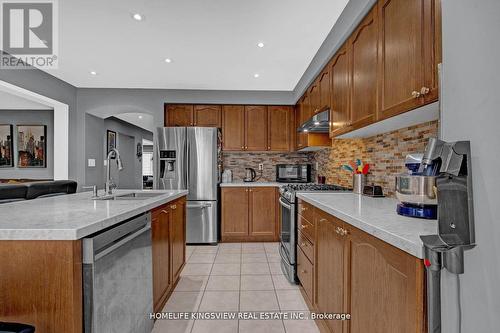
column 118, row 278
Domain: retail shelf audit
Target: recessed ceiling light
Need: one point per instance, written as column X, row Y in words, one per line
column 168, row 60
column 256, row 75
column 260, row 45
column 93, row 73
column 137, row 17
column 140, row 117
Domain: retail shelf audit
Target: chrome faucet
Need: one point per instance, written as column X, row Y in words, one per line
column 110, row 185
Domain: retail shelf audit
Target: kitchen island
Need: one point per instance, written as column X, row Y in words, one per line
column 41, row 252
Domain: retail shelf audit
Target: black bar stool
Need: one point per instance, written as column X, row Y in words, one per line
column 16, row 328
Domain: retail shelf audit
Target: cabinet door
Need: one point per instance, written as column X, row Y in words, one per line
column 306, row 109
column 386, row 287
column 315, row 99
column 363, row 55
column 324, row 89
column 262, row 208
column 256, row 128
column 339, row 112
column 330, row 268
column 400, row 52
column 234, row 211
column 178, row 237
column 431, row 48
column 207, row 115
column 179, row 115
column 279, row 127
column 160, row 235
column 233, row 127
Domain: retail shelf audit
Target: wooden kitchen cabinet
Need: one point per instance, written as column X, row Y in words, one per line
column 207, row 115
column 179, row 115
column 409, row 50
column 315, row 97
column 256, row 128
column 178, row 237
column 279, row 127
column 378, row 271
column 249, row 214
column 233, row 127
column 363, row 71
column 160, row 235
column 324, row 89
column 340, row 90
column 330, row 268
column 168, row 234
column 379, row 285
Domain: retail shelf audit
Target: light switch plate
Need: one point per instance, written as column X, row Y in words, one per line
column 261, row 166
column 91, row 162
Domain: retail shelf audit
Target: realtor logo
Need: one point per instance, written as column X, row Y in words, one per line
column 29, row 34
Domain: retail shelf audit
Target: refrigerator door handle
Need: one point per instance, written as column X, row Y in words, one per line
column 187, row 162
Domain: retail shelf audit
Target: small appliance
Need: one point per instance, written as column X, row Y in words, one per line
column 293, row 173
column 250, row 175
column 416, row 190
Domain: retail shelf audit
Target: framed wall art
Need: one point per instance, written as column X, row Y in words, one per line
column 31, row 146
column 6, row 147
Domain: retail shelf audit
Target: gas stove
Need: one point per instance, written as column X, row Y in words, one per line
column 288, row 191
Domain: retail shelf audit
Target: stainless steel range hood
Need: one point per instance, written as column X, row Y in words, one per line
column 319, row 123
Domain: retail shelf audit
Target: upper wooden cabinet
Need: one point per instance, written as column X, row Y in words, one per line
column 409, row 50
column 256, row 128
column 324, row 89
column 363, row 71
column 233, row 127
column 315, row 99
column 249, row 214
column 207, row 115
column 192, row 115
column 340, row 90
column 279, row 127
column 179, row 115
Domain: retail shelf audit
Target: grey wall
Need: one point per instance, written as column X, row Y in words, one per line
column 470, row 107
column 30, row 117
column 95, row 147
column 45, row 84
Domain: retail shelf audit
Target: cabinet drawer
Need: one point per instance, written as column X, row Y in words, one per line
column 306, row 246
column 307, row 229
column 305, row 210
column 305, row 274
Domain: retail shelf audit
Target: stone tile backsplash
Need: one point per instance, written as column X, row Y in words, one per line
column 237, row 162
column 385, row 152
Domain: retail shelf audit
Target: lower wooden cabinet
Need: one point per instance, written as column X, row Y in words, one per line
column 380, row 286
column 249, row 214
column 168, row 228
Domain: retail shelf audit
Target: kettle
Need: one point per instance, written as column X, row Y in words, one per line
column 250, row 175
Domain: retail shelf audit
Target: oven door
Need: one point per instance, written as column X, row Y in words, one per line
column 288, row 229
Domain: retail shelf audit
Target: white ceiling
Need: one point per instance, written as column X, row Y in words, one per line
column 212, row 44
column 142, row 120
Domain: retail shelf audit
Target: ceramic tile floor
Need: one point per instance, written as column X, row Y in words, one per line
column 234, row 277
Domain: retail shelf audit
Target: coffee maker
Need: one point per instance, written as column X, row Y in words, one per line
column 455, row 219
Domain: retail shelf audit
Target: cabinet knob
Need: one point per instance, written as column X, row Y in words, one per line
column 242, row 147
column 303, row 209
column 246, row 147
column 415, row 94
column 268, row 148
column 303, row 244
column 424, row 91
column 337, row 230
column 246, row 190
column 250, row 190
column 303, row 226
column 303, row 271
column 173, row 206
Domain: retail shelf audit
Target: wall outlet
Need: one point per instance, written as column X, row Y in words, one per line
column 261, row 166
column 91, row 162
column 317, row 166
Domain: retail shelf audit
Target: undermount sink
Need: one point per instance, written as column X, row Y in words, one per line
column 131, row 196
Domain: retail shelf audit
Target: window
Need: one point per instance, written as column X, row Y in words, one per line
column 147, row 163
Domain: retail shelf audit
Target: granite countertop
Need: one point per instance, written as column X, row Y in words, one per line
column 252, row 184
column 376, row 216
column 73, row 216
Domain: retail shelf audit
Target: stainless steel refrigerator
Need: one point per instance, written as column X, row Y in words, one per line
column 189, row 158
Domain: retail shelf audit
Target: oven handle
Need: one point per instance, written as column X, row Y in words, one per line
column 284, row 204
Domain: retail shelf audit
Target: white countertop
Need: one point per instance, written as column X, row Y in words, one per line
column 73, row 216
column 252, row 184
column 376, row 216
